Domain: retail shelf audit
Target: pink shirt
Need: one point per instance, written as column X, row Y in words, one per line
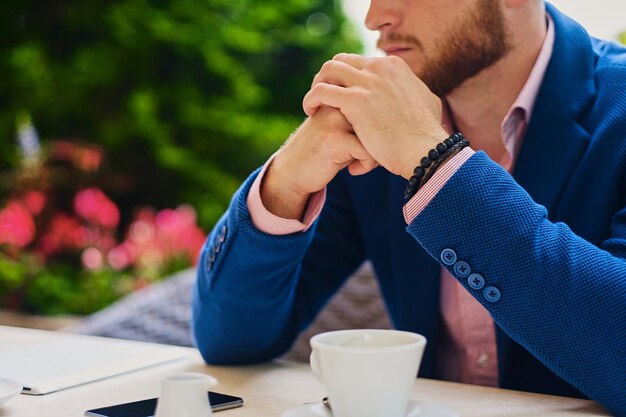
column 469, row 348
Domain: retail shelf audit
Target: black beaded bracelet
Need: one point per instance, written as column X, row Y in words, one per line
column 458, row 146
column 429, row 164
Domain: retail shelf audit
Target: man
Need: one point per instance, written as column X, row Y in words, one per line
column 526, row 228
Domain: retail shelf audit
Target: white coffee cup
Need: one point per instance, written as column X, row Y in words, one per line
column 367, row 373
column 185, row 395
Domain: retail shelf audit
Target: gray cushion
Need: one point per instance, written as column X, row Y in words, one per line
column 161, row 313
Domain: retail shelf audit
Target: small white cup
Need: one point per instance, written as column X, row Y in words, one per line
column 185, row 395
column 367, row 373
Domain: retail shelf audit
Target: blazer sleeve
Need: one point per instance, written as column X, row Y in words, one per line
column 255, row 292
column 559, row 296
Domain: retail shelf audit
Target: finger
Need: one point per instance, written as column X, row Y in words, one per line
column 324, row 94
column 335, row 118
column 361, row 167
column 352, row 151
column 354, row 60
column 338, row 73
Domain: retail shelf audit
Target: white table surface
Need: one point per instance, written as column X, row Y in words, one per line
column 267, row 390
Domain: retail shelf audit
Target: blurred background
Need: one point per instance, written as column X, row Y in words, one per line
column 126, row 125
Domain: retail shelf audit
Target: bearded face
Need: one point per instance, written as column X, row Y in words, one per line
column 472, row 42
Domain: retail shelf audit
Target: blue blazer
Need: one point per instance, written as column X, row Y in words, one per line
column 549, row 241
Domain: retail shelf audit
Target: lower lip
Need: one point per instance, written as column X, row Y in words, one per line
column 397, row 52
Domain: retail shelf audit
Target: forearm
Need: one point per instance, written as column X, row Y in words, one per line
column 244, row 294
column 321, row 147
column 555, row 288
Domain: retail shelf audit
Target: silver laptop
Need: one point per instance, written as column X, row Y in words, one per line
column 49, row 366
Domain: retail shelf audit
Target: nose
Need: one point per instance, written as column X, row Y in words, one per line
column 383, row 15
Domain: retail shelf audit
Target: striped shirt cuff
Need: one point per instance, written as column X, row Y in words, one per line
column 425, row 195
column 278, row 226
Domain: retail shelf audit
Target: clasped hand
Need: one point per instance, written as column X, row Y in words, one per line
column 391, row 111
column 363, row 112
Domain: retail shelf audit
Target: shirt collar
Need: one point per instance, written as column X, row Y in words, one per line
column 528, row 95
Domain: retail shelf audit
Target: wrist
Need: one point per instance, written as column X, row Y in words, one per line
column 280, row 196
column 435, row 159
column 425, row 145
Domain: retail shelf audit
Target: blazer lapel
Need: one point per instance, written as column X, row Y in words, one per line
column 550, row 152
column 555, row 141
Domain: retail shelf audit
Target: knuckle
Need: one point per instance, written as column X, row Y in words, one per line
column 385, row 64
column 394, row 60
column 319, row 88
column 376, row 64
column 328, row 66
column 360, row 94
column 356, row 95
column 315, row 89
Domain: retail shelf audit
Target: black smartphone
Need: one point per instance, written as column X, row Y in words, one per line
column 146, row 408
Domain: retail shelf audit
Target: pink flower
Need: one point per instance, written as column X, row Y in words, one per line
column 64, row 233
column 16, row 225
column 155, row 240
column 106, row 242
column 141, row 231
column 93, row 205
column 178, row 233
column 119, row 258
column 34, row 201
column 92, row 258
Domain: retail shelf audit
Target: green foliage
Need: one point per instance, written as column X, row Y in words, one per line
column 58, row 288
column 622, row 37
column 185, row 96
